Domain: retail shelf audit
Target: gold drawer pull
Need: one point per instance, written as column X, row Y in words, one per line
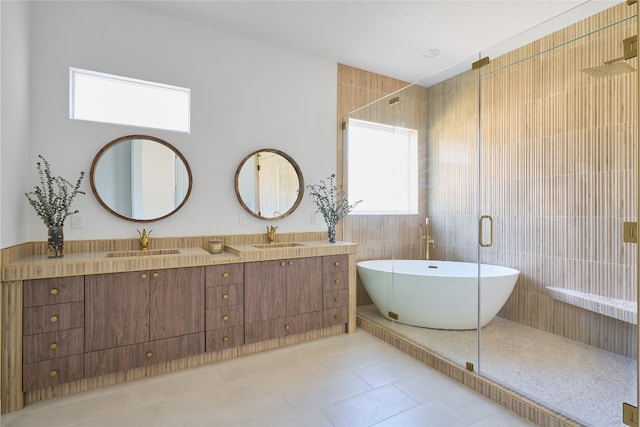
column 337, row 281
column 336, row 317
column 143, row 276
column 290, row 262
column 287, row 327
column 54, row 291
column 337, row 299
column 225, row 296
column 149, row 355
column 225, row 275
column 225, row 317
column 53, row 373
column 53, row 346
column 283, row 263
column 337, row 263
column 225, row 339
column 53, row 319
column 155, row 275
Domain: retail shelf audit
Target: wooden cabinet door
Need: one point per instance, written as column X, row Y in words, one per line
column 265, row 290
column 116, row 310
column 176, row 299
column 304, row 285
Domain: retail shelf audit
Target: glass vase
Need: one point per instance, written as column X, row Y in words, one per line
column 55, row 241
column 331, row 231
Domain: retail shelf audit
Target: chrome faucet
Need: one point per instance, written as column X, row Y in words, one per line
column 271, row 233
column 144, row 239
column 428, row 239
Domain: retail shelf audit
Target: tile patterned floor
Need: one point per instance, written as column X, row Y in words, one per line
column 344, row 380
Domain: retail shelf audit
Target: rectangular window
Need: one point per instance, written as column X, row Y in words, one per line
column 108, row 98
column 382, row 168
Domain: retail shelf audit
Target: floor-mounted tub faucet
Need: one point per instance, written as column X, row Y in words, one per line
column 426, row 237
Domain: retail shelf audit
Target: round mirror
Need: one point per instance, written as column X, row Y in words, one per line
column 269, row 184
column 140, row 178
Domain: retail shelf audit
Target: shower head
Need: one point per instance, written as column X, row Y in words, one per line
column 617, row 66
column 609, row 69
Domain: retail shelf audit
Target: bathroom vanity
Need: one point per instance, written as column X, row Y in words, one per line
column 92, row 319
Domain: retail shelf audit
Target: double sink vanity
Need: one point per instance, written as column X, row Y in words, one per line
column 99, row 317
column 108, row 312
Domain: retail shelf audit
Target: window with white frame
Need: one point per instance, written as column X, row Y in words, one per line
column 382, row 168
column 108, row 98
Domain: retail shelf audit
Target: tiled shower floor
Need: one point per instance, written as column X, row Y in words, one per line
column 581, row 382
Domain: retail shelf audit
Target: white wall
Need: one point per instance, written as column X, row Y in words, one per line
column 246, row 95
column 14, row 120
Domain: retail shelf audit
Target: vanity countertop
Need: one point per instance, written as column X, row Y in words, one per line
column 86, row 263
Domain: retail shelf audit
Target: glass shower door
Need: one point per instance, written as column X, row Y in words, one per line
column 440, row 226
column 558, row 132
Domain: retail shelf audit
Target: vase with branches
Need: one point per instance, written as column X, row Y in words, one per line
column 332, row 203
column 52, row 200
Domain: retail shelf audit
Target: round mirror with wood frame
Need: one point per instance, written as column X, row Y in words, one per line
column 269, row 184
column 140, row 178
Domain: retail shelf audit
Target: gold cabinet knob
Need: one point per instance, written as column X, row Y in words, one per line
column 225, row 317
column 53, row 346
column 53, row 291
column 225, row 275
column 336, row 317
column 225, row 296
column 143, row 276
column 290, row 262
column 225, row 339
column 287, row 327
column 53, row 373
column 283, row 263
column 53, row 319
column 337, row 299
column 337, row 281
column 337, row 263
column 149, row 354
column 155, row 275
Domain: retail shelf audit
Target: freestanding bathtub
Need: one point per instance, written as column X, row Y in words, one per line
column 437, row 294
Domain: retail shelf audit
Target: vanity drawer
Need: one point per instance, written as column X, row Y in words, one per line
column 224, row 317
column 57, row 317
column 134, row 356
column 303, row 323
column 265, row 330
column 224, row 296
column 226, row 274
column 291, row 325
column 52, row 372
column 221, row 339
column 334, row 281
column 52, row 345
column 335, row 263
column 53, row 291
column 336, row 316
column 334, row 299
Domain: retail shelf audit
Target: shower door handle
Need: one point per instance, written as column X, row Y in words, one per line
column 480, row 234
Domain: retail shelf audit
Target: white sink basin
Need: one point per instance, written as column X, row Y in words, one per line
column 148, row 252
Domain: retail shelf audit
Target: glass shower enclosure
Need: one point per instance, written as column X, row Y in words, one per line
column 528, row 160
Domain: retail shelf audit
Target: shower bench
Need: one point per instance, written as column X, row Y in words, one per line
column 620, row 309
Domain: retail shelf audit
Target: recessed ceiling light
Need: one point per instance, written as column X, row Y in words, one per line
column 431, row 53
